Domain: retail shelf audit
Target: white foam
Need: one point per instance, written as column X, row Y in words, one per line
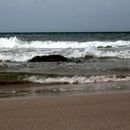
column 14, row 49
column 24, row 55
column 78, row 79
column 14, row 42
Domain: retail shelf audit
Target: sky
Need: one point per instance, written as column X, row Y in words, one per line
column 64, row 15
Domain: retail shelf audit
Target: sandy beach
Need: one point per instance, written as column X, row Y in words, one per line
column 87, row 112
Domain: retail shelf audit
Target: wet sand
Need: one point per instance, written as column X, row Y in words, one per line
column 90, row 112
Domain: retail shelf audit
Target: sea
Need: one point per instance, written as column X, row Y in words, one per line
column 99, row 61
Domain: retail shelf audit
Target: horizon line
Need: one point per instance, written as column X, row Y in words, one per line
column 69, row 32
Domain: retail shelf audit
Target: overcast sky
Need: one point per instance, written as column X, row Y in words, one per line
column 64, row 15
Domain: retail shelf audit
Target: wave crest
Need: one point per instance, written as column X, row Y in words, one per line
column 14, row 42
column 14, row 49
column 78, row 79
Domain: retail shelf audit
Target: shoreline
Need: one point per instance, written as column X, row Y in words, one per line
column 91, row 112
column 32, row 90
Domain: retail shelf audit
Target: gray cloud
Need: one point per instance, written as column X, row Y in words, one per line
column 64, row 15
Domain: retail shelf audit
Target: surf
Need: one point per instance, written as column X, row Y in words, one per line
column 14, row 42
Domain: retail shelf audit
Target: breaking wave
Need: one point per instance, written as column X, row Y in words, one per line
column 78, row 79
column 14, row 49
column 14, row 42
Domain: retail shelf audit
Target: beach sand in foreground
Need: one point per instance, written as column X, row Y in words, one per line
column 91, row 112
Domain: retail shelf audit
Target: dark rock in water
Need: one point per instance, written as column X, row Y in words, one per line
column 50, row 58
column 104, row 47
column 89, row 56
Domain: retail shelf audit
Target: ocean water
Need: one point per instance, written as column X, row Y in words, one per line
column 95, row 57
